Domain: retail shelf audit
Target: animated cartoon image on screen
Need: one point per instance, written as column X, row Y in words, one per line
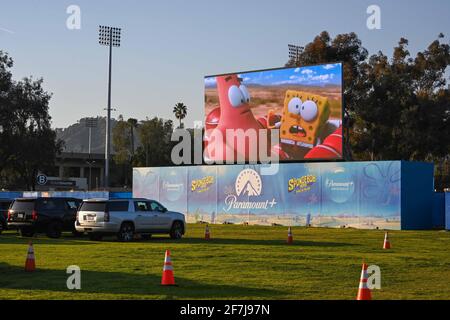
column 233, row 112
column 304, row 106
column 304, row 124
column 304, row 116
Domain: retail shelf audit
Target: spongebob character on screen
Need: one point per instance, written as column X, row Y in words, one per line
column 303, row 118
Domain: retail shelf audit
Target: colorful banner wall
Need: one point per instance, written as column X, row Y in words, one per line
column 352, row 194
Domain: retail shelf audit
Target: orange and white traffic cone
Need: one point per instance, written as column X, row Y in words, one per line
column 167, row 276
column 30, row 264
column 387, row 243
column 207, row 234
column 290, row 239
column 364, row 291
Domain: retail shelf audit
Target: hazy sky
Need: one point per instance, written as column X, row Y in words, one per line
column 169, row 46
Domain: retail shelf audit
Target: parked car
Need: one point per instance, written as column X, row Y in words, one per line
column 127, row 217
column 49, row 215
column 4, row 207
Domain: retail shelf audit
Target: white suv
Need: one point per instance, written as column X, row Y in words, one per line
column 125, row 217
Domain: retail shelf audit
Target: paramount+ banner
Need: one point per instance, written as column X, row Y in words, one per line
column 355, row 194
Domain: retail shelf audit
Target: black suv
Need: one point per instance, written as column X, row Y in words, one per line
column 4, row 206
column 49, row 215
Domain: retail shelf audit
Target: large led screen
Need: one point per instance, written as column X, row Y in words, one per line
column 303, row 104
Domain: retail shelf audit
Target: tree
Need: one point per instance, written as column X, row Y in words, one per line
column 133, row 123
column 27, row 143
column 124, row 146
column 404, row 111
column 156, row 145
column 180, row 111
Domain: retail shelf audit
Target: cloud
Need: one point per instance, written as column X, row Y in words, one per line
column 211, row 81
column 307, row 71
column 329, row 66
column 247, row 79
column 321, row 78
column 308, row 79
column 6, row 30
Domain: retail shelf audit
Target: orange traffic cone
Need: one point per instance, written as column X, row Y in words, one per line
column 290, row 239
column 387, row 243
column 207, row 234
column 30, row 265
column 167, row 276
column 364, row 291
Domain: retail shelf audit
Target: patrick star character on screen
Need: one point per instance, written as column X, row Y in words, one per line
column 233, row 113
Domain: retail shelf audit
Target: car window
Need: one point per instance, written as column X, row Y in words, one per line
column 23, row 205
column 141, row 206
column 117, row 206
column 98, row 206
column 48, row 204
column 155, row 206
column 72, row 204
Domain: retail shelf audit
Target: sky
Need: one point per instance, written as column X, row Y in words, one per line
column 319, row 75
column 168, row 47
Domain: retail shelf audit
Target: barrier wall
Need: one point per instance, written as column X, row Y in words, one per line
column 447, row 210
column 74, row 194
column 438, row 217
column 353, row 194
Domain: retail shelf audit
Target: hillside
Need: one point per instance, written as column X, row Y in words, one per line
column 76, row 136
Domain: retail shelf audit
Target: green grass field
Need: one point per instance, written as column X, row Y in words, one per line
column 239, row 262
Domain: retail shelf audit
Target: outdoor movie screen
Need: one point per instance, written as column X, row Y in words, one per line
column 303, row 103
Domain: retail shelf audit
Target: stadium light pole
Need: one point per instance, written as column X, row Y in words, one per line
column 90, row 123
column 108, row 36
column 294, row 52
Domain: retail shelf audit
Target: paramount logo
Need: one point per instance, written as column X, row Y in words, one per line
column 338, row 185
column 231, row 202
column 248, row 183
column 173, row 186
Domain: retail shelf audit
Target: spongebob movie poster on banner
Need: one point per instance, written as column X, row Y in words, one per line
column 202, row 194
column 302, row 189
column 353, row 194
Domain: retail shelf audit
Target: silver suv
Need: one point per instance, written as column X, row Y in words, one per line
column 126, row 217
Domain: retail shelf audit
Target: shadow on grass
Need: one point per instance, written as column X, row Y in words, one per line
column 11, row 237
column 97, row 282
column 68, row 239
column 251, row 242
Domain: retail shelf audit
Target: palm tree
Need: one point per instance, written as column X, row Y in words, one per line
column 133, row 123
column 180, row 111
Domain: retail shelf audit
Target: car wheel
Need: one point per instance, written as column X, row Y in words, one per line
column 177, row 230
column 26, row 232
column 126, row 232
column 54, row 230
column 146, row 236
column 95, row 237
